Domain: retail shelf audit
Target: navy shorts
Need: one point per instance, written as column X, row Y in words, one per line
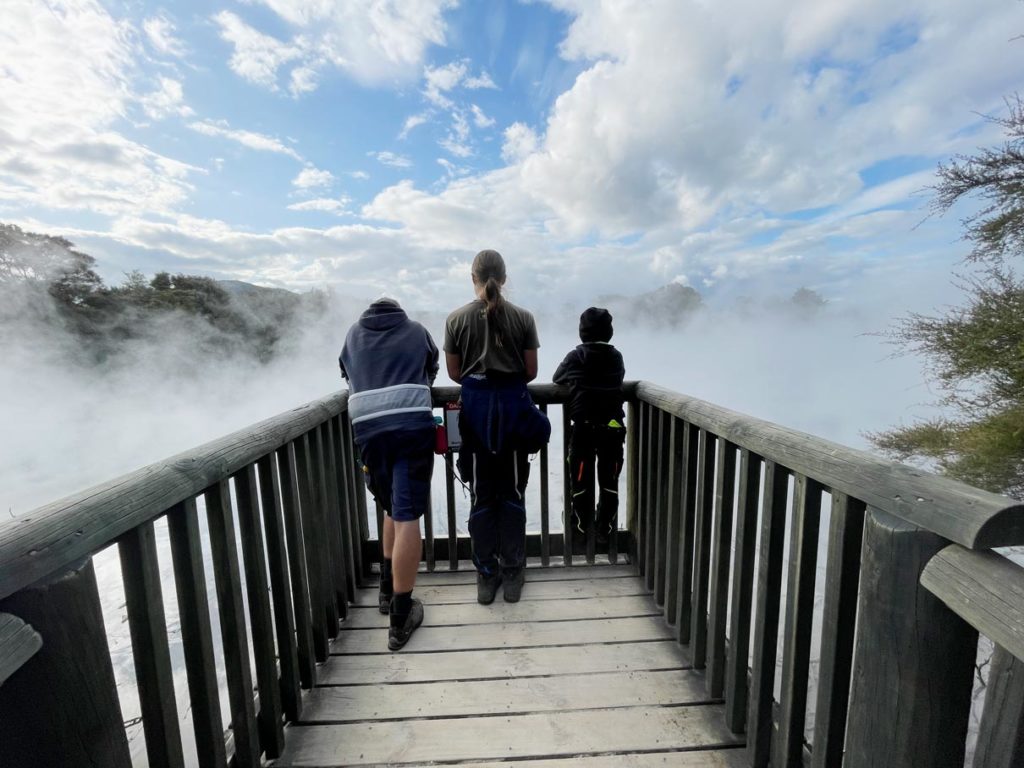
column 398, row 469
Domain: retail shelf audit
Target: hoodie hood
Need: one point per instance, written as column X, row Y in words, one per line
column 382, row 315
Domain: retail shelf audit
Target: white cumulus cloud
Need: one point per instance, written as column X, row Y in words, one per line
column 311, row 178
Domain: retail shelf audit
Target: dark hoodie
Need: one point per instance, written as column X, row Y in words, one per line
column 390, row 362
column 594, row 372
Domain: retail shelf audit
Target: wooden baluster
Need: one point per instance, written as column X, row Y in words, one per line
column 356, row 517
column 257, row 590
column 545, row 503
column 651, row 495
column 674, row 517
column 316, row 567
column 567, row 549
column 736, row 685
column 796, row 652
column 305, row 646
column 280, row 587
column 913, row 665
column 343, row 481
column 428, row 537
column 688, row 491
column 839, row 616
column 661, row 510
column 766, row 616
column 196, row 633
column 1001, row 734
column 232, row 625
column 449, row 494
column 42, row 714
column 144, row 602
column 721, row 545
column 632, row 475
column 321, row 510
column 643, row 454
column 702, row 549
column 328, row 465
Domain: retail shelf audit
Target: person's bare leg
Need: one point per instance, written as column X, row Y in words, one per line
column 389, row 537
column 387, row 590
column 405, row 559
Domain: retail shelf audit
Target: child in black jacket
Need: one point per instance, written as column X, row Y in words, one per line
column 594, row 372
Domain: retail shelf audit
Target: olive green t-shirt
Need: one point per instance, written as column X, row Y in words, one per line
column 466, row 333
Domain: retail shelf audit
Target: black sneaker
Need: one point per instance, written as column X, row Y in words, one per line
column 399, row 636
column 514, row 585
column 486, row 588
column 384, row 601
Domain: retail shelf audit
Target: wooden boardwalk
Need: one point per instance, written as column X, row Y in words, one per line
column 583, row 671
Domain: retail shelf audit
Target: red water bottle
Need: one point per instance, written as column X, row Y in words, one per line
column 440, row 437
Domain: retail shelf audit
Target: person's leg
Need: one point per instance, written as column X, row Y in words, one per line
column 376, row 457
column 387, row 588
column 515, row 474
column 414, row 461
column 481, row 469
column 581, row 470
column 609, row 467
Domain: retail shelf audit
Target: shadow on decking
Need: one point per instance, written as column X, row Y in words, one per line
column 583, row 671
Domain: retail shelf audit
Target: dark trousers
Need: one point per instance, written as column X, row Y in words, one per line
column 592, row 444
column 497, row 515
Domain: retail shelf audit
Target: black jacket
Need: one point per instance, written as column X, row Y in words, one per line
column 594, row 372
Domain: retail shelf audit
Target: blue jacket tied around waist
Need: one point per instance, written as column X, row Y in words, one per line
column 500, row 415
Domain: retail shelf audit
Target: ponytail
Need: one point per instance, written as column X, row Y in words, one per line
column 493, row 298
column 489, row 271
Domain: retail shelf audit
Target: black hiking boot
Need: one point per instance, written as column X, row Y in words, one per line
column 398, row 635
column 486, row 588
column 384, row 600
column 514, row 585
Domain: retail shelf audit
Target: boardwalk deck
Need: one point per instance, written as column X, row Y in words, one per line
column 583, row 672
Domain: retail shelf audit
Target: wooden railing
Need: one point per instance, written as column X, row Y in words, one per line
column 710, row 497
column 710, row 489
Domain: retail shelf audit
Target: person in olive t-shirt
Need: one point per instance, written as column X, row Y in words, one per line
column 490, row 348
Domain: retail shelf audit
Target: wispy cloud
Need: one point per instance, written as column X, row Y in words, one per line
column 481, row 120
column 168, row 99
column 257, row 56
column 162, row 35
column 390, row 158
column 337, row 206
column 258, row 141
column 312, row 178
column 411, row 122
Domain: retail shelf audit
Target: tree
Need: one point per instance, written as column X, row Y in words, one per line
column 975, row 353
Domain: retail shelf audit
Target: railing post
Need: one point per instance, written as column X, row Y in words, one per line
column 913, row 657
column 43, row 719
column 1001, row 736
column 632, row 475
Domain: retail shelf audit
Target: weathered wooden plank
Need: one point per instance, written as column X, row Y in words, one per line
column 449, row 494
column 451, row 614
column 297, row 566
column 357, row 499
column 313, row 446
column 736, row 681
column 42, row 718
column 508, row 737
column 721, row 543
column 911, row 651
column 969, row 516
column 18, row 643
column 766, row 614
column 503, row 663
column 650, row 509
column 432, row 594
column 341, row 704
column 280, row 587
column 317, row 571
column 983, row 588
column 346, row 501
column 227, row 578
column 333, row 514
column 196, row 633
column 507, row 635
column 535, row 572
column 144, row 604
column 684, row 606
column 545, row 504
column 839, row 615
column 674, row 517
column 724, row 758
column 702, row 549
column 1001, row 735
column 796, row 653
column 53, row 536
column 257, row 590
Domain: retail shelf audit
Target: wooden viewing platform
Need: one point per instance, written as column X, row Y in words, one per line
column 748, row 554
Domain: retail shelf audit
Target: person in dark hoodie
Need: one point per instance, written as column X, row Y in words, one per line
column 390, row 362
column 490, row 348
column 594, row 372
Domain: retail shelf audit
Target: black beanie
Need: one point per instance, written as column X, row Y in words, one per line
column 596, row 325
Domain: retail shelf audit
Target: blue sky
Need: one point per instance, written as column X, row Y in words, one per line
column 605, row 147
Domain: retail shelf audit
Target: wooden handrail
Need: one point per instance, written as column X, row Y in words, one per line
column 965, row 515
column 47, row 539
